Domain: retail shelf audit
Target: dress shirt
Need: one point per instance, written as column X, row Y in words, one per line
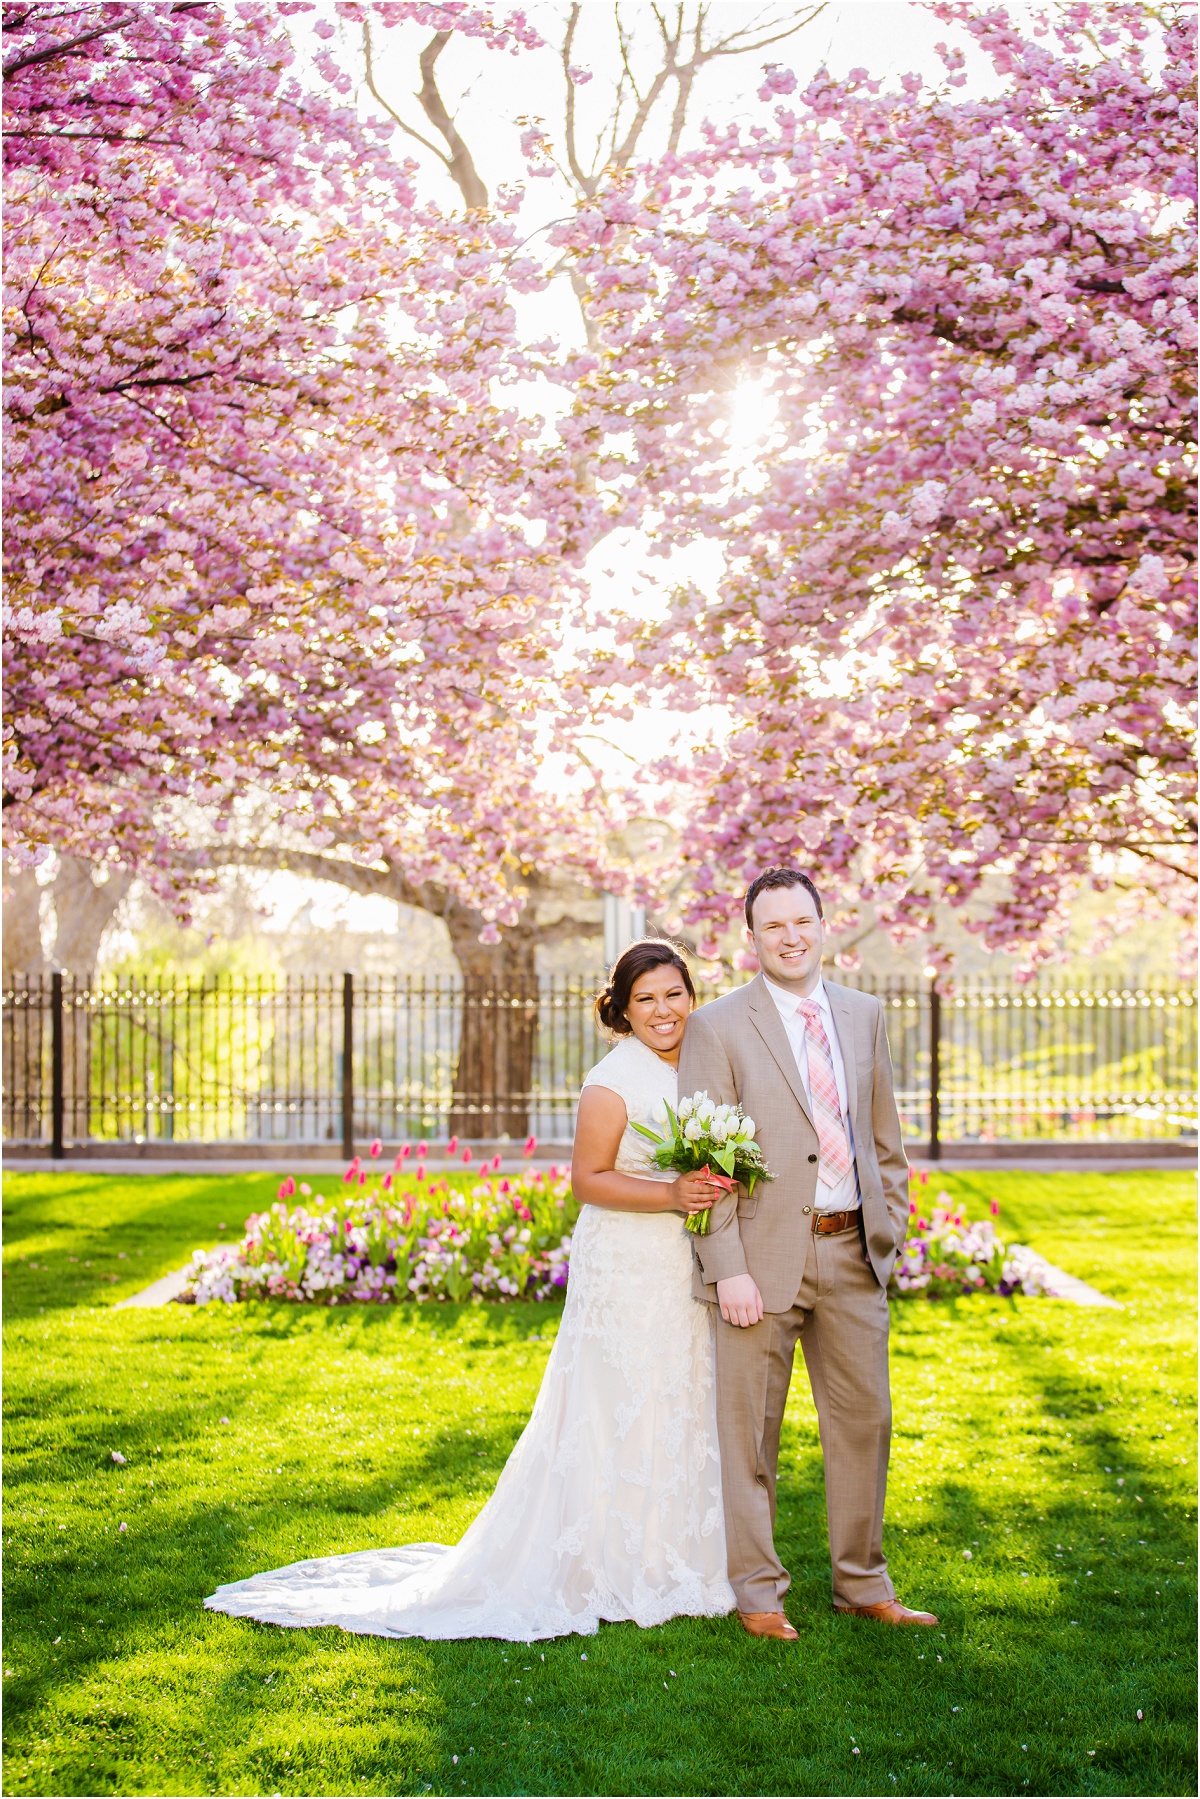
column 844, row 1196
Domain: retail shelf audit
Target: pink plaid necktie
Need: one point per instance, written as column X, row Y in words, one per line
column 827, row 1107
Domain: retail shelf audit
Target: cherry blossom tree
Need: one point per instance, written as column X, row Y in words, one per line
column 271, row 528
column 953, row 640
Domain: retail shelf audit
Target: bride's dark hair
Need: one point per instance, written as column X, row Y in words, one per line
column 612, row 1002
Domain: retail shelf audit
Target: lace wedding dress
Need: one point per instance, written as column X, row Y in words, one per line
column 609, row 1507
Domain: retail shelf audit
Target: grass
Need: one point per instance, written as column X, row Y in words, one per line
column 1055, row 1443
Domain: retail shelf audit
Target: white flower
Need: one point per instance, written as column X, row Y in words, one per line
column 719, row 1130
column 685, row 1108
column 658, row 1112
column 747, row 1130
column 693, row 1130
column 706, row 1112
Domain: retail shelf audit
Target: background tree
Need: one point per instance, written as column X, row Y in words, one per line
column 269, row 519
column 954, row 635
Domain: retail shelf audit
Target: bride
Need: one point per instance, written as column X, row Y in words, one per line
column 609, row 1508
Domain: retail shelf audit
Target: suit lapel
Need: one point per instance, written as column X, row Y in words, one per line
column 764, row 1014
column 843, row 1020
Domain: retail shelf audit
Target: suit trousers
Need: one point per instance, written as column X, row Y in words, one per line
column 840, row 1317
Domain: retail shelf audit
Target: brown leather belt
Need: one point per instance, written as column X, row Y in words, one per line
column 828, row 1224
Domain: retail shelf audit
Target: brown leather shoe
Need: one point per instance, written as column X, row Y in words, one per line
column 769, row 1624
column 889, row 1611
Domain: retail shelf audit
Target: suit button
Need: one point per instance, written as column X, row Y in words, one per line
column 812, row 1158
column 808, row 1208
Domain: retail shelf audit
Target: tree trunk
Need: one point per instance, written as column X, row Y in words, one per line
column 83, row 910
column 493, row 1078
column 22, row 924
column 25, row 1061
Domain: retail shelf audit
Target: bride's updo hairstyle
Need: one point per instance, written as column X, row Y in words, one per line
column 612, row 1002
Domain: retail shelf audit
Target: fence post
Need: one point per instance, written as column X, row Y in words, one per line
column 57, row 1090
column 935, row 1072
column 348, row 1066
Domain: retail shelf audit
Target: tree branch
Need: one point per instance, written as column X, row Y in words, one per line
column 369, row 65
column 19, row 62
column 461, row 167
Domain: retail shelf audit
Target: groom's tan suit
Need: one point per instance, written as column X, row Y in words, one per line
column 828, row 1291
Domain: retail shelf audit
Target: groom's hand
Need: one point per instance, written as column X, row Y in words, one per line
column 740, row 1300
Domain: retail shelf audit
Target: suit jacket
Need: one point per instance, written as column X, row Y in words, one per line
column 736, row 1049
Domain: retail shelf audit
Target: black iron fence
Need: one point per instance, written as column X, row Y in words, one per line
column 337, row 1060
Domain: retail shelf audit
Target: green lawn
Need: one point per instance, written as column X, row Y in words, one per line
column 1054, row 1443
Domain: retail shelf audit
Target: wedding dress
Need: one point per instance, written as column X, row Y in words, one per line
column 609, row 1507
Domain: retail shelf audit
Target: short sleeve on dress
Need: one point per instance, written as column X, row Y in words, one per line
column 608, row 1073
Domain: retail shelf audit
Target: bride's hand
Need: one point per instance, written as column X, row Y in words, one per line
column 693, row 1193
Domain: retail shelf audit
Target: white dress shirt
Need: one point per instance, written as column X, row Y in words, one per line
column 844, row 1196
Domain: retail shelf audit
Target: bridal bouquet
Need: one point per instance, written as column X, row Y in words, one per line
column 707, row 1137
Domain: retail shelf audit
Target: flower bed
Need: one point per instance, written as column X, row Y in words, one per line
column 374, row 1243
column 946, row 1253
column 387, row 1237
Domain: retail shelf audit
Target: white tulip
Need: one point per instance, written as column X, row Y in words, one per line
column 685, row 1108
column 658, row 1112
column 692, row 1129
column 747, row 1131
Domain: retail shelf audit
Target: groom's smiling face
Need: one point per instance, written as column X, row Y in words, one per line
column 788, row 935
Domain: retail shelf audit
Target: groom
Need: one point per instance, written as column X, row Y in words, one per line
column 808, row 1256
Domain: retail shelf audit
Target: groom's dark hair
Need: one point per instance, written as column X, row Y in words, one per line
column 779, row 877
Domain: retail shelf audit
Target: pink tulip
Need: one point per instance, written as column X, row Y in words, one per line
column 530, row 1144
column 466, row 1155
column 995, row 1208
column 405, row 1151
column 452, row 1146
column 376, row 1147
column 420, row 1171
column 387, row 1181
column 422, row 1149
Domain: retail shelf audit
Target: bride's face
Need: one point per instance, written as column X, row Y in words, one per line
column 658, row 1009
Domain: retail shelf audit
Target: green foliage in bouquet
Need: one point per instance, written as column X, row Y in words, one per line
column 706, row 1137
